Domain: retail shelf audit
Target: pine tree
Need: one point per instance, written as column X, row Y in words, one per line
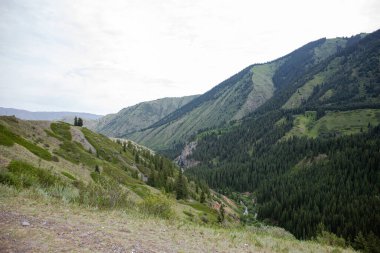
column 97, row 170
column 203, row 197
column 75, row 121
column 80, row 122
column 181, row 186
column 221, row 213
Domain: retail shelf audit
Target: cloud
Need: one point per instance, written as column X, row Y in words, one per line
column 99, row 56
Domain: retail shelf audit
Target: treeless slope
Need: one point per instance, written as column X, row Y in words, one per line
column 51, row 227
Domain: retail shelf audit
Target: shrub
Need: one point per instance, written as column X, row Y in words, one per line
column 105, row 193
column 23, row 175
column 65, row 192
column 5, row 138
column 331, row 239
column 62, row 130
column 159, row 206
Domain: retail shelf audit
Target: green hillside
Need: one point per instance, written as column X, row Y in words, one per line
column 333, row 123
column 77, row 166
column 137, row 117
column 64, row 187
column 310, row 153
column 234, row 98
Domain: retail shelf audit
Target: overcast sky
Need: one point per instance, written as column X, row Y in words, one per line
column 100, row 56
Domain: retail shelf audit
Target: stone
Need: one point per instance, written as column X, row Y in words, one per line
column 25, row 223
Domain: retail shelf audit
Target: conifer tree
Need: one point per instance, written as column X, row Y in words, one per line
column 80, row 122
column 181, row 186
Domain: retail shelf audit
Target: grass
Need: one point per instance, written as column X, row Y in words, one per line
column 75, row 153
column 303, row 93
column 62, row 130
column 8, row 138
column 158, row 206
column 328, row 48
column 68, row 175
column 334, row 123
column 75, row 228
column 205, row 213
column 263, row 88
column 23, row 175
column 328, row 94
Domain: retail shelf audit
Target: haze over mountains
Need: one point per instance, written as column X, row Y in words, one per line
column 28, row 115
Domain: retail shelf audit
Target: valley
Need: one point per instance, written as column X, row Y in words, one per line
column 283, row 156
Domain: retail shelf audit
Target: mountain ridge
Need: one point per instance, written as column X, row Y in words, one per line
column 139, row 116
column 236, row 97
column 45, row 115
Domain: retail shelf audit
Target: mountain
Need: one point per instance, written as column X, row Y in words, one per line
column 236, row 97
column 79, row 190
column 140, row 116
column 28, row 115
column 77, row 166
column 310, row 153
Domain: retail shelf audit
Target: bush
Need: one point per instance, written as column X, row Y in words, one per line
column 62, row 130
column 159, row 206
column 105, row 193
column 23, row 175
column 5, row 139
column 331, row 239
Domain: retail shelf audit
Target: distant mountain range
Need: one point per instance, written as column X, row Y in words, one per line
column 139, row 116
column 28, row 115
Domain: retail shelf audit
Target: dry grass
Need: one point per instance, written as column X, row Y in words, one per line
column 58, row 227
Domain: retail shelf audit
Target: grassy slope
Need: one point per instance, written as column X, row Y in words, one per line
column 57, row 198
column 227, row 106
column 341, row 123
column 57, row 227
column 232, row 103
column 211, row 113
column 327, row 49
column 75, row 162
column 139, row 116
column 263, row 88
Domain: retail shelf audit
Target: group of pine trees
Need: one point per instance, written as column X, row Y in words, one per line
column 78, row 121
column 162, row 173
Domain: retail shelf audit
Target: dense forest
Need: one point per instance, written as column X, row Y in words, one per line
column 304, row 182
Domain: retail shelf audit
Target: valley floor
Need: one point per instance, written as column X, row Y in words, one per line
column 32, row 224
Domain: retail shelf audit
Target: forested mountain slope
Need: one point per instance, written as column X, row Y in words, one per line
column 236, row 97
column 311, row 153
column 67, row 188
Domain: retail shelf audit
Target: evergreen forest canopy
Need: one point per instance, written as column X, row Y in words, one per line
column 311, row 153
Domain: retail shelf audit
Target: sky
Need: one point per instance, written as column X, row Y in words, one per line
column 101, row 56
